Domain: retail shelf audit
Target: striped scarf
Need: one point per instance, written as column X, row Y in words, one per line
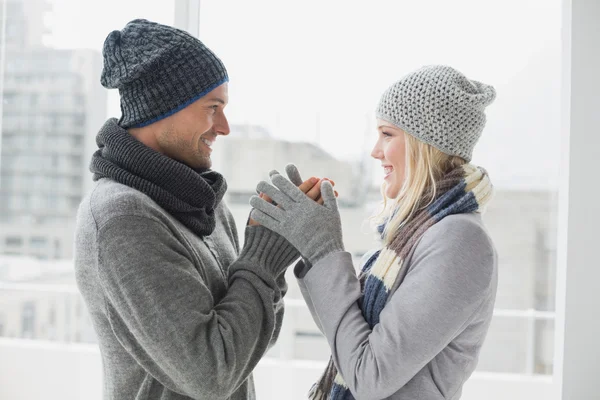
column 466, row 189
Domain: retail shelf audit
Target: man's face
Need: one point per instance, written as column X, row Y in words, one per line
column 189, row 134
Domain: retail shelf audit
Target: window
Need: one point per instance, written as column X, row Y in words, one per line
column 307, row 97
column 28, row 320
column 341, row 125
column 75, row 161
column 52, row 322
column 79, row 119
column 6, row 182
column 57, row 248
column 14, row 241
column 10, row 99
column 52, row 201
column 38, row 242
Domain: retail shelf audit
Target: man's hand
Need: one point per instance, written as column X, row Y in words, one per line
column 314, row 230
column 294, row 177
column 311, row 187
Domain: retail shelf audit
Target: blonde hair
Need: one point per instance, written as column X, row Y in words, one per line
column 424, row 167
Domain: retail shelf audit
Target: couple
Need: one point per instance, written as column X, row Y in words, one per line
column 182, row 311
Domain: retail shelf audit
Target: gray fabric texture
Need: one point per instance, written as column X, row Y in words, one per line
column 294, row 176
column 313, row 240
column 158, row 70
column 177, row 316
column 433, row 325
column 439, row 106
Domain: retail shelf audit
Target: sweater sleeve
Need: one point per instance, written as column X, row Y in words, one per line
column 279, row 309
column 300, row 271
column 278, row 305
column 450, row 278
column 165, row 316
column 279, row 265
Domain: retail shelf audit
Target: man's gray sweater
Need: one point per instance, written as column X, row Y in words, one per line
column 177, row 316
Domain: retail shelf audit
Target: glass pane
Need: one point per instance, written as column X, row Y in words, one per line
column 302, row 93
column 544, row 348
column 308, row 96
column 44, row 314
column 52, row 107
column 505, row 348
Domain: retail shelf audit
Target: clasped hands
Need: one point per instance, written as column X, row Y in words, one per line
column 304, row 212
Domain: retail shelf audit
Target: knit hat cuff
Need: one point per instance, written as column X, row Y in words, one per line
column 466, row 155
column 149, row 99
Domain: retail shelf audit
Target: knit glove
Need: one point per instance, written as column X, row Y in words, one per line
column 292, row 173
column 294, row 176
column 315, row 230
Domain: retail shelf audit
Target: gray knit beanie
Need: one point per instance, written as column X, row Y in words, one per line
column 439, row 106
column 158, row 70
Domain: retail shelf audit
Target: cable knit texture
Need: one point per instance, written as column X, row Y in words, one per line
column 158, row 70
column 439, row 106
column 268, row 250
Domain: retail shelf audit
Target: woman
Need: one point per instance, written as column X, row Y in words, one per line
column 412, row 324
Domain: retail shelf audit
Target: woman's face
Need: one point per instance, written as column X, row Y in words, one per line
column 390, row 149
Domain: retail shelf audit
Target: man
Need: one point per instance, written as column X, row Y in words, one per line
column 180, row 312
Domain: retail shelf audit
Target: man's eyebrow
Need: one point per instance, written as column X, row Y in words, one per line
column 217, row 99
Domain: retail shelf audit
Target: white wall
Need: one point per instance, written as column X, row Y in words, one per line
column 33, row 370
